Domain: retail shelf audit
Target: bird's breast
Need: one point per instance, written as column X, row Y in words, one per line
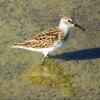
column 61, row 42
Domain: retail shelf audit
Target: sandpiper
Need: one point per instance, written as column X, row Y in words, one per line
column 49, row 40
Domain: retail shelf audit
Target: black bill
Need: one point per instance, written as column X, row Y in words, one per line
column 80, row 27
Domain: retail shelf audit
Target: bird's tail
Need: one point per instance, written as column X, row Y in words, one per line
column 17, row 46
column 23, row 47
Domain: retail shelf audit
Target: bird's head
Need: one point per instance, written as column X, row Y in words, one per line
column 66, row 23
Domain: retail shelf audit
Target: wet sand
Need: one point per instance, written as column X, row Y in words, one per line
column 79, row 58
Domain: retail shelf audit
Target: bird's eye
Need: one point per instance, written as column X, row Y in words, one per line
column 68, row 20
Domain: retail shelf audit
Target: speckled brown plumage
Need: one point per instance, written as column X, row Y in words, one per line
column 44, row 39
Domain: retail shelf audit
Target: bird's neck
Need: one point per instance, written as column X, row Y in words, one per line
column 64, row 28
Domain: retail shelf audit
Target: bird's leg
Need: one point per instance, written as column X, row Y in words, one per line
column 43, row 60
column 45, row 56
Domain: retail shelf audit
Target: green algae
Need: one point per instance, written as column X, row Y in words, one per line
column 51, row 75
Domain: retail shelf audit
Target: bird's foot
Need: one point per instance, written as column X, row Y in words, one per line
column 42, row 63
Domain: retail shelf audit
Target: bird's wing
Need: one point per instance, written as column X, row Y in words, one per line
column 44, row 39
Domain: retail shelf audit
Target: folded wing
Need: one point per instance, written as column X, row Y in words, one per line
column 44, row 39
